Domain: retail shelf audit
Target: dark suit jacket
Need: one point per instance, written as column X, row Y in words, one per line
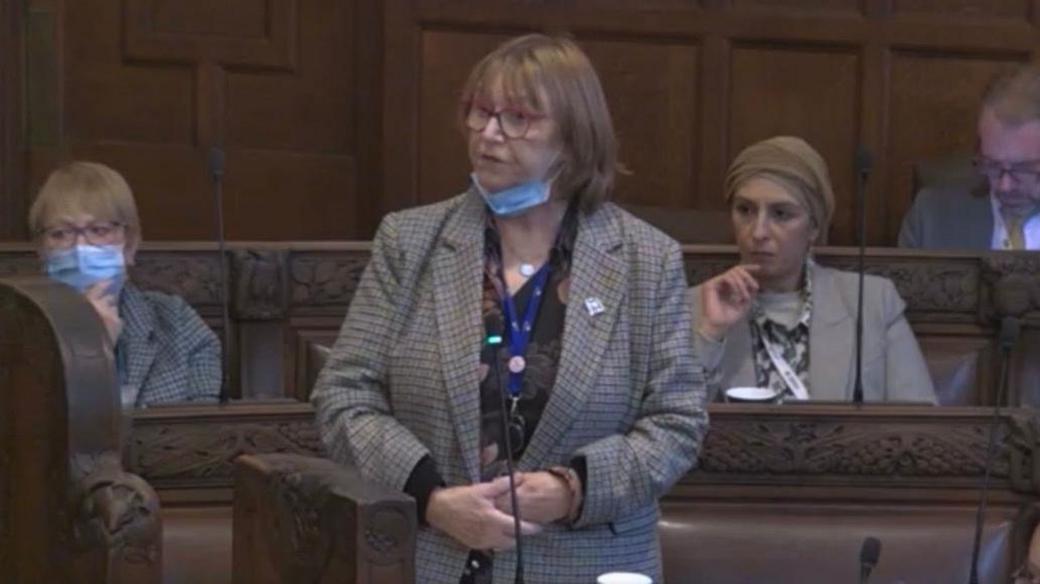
column 948, row 217
column 402, row 382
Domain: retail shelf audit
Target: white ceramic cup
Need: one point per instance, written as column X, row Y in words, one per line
column 751, row 394
column 623, row 578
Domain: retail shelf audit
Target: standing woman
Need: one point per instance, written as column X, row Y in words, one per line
column 779, row 320
column 529, row 298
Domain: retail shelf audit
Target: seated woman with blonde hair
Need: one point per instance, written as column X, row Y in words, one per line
column 87, row 231
column 781, row 322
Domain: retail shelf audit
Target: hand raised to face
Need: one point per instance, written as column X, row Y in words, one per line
column 726, row 299
column 107, row 306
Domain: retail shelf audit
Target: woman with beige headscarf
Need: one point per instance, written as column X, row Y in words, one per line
column 782, row 323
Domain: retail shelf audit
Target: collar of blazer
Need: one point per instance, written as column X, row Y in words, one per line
column 831, row 327
column 598, row 271
column 831, row 336
column 138, row 336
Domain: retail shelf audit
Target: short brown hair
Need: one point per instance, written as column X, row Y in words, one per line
column 536, row 65
column 1014, row 96
column 794, row 164
column 87, row 187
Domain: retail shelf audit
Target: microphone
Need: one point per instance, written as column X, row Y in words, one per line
column 864, row 162
column 869, row 554
column 494, row 341
column 1010, row 329
column 216, row 173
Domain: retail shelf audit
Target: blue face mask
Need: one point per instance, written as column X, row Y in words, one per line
column 82, row 266
column 516, row 199
column 519, row 198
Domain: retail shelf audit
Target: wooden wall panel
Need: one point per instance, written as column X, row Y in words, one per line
column 12, row 130
column 934, row 106
column 447, row 56
column 838, row 72
column 838, row 6
column 801, row 91
column 295, row 135
column 237, row 18
column 149, row 86
column 335, row 112
column 1006, row 9
column 651, row 87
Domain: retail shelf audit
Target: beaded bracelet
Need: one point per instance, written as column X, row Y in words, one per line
column 570, row 477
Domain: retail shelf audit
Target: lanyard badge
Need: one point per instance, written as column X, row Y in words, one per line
column 518, row 334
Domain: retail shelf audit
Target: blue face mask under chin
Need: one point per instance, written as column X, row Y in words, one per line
column 516, row 199
column 82, row 266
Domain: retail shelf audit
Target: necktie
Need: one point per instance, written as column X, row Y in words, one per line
column 1015, row 224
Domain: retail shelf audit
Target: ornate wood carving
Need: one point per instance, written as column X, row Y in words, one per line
column 192, row 276
column 935, row 287
column 1013, row 285
column 261, row 287
column 879, row 445
column 314, row 520
column 895, row 446
column 196, row 446
column 326, row 280
column 305, row 290
column 321, row 280
column 948, row 287
column 117, row 510
column 19, row 264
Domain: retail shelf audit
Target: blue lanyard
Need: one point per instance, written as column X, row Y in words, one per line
column 519, row 333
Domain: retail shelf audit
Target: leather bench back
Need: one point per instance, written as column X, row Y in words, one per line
column 731, row 543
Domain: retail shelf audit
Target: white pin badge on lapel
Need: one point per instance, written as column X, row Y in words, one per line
column 594, row 306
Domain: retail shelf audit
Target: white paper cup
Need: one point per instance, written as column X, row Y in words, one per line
column 623, row 578
column 751, row 394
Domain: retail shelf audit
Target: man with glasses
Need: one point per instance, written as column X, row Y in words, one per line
column 1005, row 214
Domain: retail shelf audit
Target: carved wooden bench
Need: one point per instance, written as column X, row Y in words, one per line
column 783, row 494
column 68, row 510
column 287, row 298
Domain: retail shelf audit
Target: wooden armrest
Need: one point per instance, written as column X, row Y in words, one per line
column 305, row 519
column 118, row 514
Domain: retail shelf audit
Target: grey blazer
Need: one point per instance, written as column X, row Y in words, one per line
column 166, row 353
column 893, row 367
column 948, row 217
column 401, row 382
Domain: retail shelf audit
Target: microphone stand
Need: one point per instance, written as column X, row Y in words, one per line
column 863, row 165
column 494, row 341
column 216, row 171
column 1010, row 327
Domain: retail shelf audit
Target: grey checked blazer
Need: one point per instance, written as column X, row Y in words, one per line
column 893, row 367
column 170, row 355
column 401, row 382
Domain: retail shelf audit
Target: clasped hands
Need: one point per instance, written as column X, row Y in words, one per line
column 480, row 516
